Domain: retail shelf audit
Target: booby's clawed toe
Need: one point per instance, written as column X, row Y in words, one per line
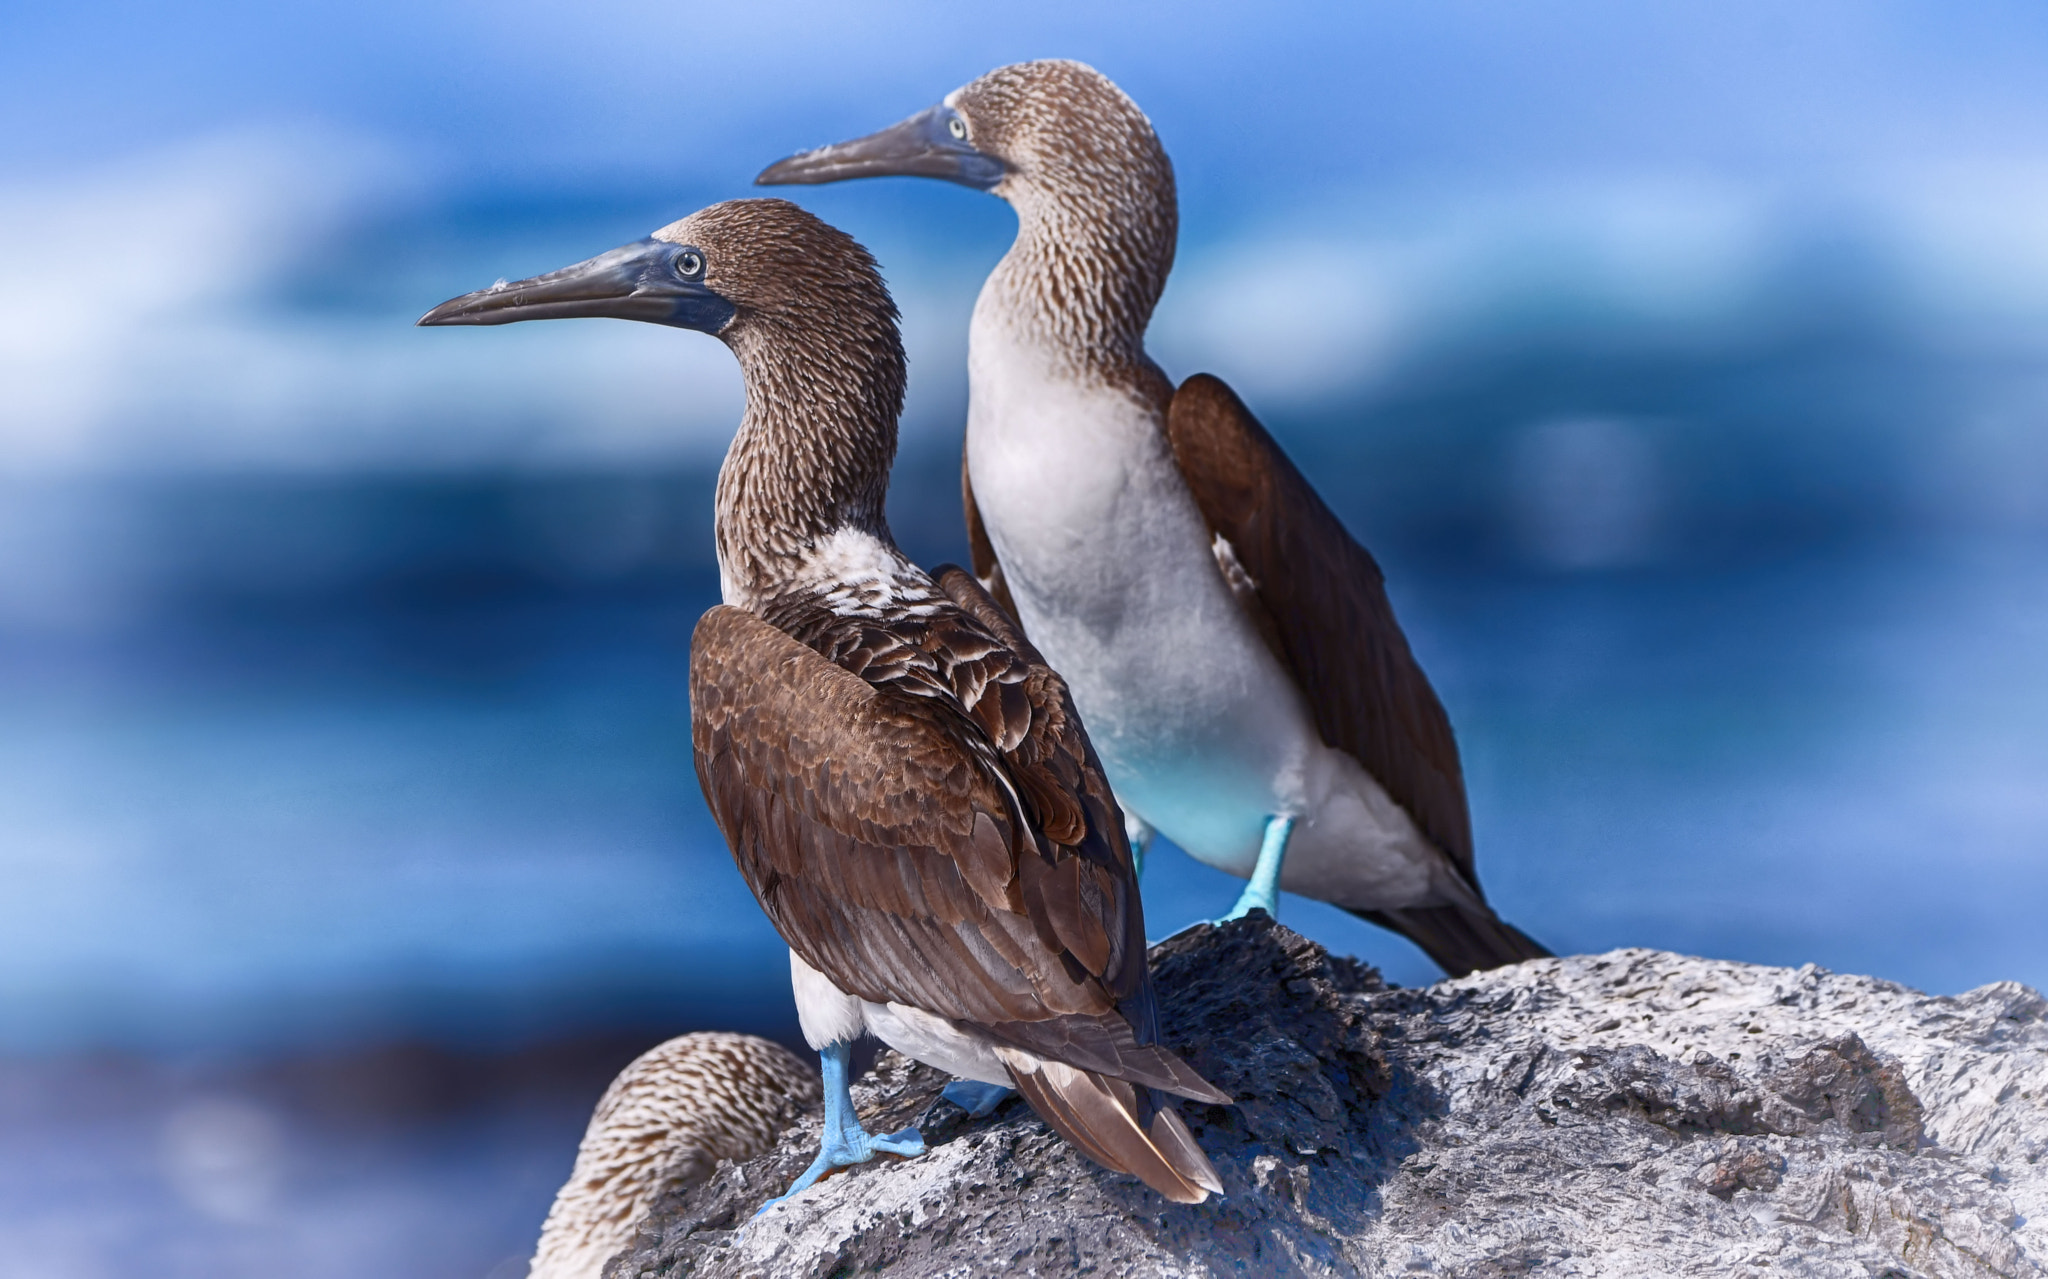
column 978, row 1099
column 845, row 1143
column 845, row 1150
column 905, row 1143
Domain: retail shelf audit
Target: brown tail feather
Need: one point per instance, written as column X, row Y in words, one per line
column 1460, row 938
column 1174, row 1140
column 1101, row 1117
column 1057, row 1109
column 1108, row 1046
column 1175, row 1076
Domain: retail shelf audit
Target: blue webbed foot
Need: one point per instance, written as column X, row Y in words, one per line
column 976, row 1098
column 905, row 1143
column 908, row 1144
column 1262, row 892
column 845, row 1142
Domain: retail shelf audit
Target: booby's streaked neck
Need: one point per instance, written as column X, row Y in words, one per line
column 811, row 458
column 1095, row 243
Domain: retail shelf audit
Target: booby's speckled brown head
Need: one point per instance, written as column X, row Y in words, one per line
column 725, row 270
column 799, row 301
column 1048, row 125
column 1083, row 167
column 804, row 308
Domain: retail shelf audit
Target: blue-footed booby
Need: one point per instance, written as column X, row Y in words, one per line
column 664, row 1124
column 903, row 781
column 1230, row 644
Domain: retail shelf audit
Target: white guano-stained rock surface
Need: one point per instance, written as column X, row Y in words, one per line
column 1629, row 1114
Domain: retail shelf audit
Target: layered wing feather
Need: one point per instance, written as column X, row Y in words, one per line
column 916, row 808
column 1326, row 611
column 988, row 570
column 1321, row 603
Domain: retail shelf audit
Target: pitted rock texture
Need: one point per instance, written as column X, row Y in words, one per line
column 1629, row 1114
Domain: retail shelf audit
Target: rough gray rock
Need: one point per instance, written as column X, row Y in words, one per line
column 1629, row 1114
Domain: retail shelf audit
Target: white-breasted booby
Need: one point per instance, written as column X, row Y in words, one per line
column 664, row 1123
column 1230, row 644
column 902, row 780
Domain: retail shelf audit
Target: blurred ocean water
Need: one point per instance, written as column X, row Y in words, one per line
column 395, row 1161
column 463, row 806
column 249, row 841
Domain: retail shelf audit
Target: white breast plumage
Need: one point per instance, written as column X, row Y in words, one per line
column 1109, row 564
column 1115, row 579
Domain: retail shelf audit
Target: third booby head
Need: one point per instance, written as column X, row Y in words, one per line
column 902, row 781
column 1231, row 645
column 663, row 1125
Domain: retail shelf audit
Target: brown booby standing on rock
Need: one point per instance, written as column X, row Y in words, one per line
column 903, row 781
column 1231, row 645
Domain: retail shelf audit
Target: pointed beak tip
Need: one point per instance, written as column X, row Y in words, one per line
column 439, row 317
column 779, row 173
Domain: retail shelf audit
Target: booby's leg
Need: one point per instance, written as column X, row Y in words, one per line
column 975, row 1097
column 846, row 1143
column 1140, row 833
column 1263, row 892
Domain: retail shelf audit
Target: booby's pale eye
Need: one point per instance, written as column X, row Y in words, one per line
column 957, row 127
column 690, row 264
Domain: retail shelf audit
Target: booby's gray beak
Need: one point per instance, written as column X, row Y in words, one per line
column 647, row 280
column 924, row 146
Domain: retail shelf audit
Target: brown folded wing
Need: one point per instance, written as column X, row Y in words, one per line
column 917, row 810
column 1326, row 613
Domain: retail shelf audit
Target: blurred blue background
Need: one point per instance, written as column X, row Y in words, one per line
column 1685, row 366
